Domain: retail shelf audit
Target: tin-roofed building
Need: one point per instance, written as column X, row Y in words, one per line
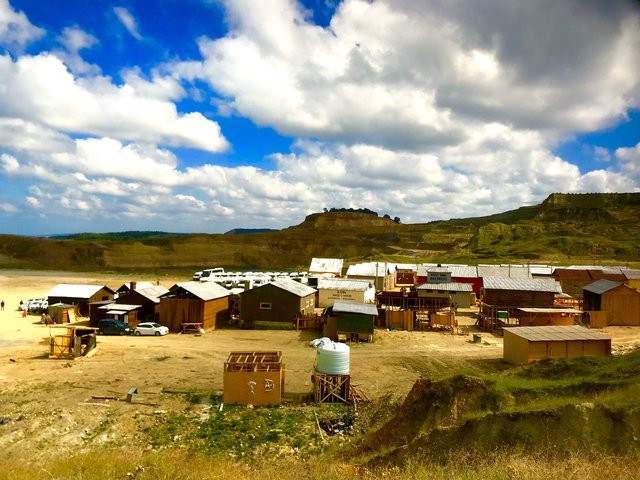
column 453, row 293
column 528, row 344
column 278, row 301
column 192, row 304
column 331, row 267
column 612, row 303
column 148, row 300
column 332, row 289
column 79, row 295
column 501, row 296
column 354, row 321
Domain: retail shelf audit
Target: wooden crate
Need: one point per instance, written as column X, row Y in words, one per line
column 331, row 388
column 61, row 346
column 254, row 378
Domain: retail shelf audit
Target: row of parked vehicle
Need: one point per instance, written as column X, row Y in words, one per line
column 34, row 304
column 110, row 326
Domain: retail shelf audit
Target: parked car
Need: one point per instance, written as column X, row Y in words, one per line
column 150, row 328
column 110, row 326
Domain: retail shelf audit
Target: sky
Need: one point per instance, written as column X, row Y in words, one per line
column 208, row 115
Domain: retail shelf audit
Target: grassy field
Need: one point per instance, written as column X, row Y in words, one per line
column 569, row 419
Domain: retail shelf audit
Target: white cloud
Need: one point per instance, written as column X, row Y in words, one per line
column 412, row 75
column 16, row 31
column 41, row 90
column 8, row 208
column 421, row 110
column 128, row 21
column 75, row 39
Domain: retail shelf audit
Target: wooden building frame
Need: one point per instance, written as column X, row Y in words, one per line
column 254, row 378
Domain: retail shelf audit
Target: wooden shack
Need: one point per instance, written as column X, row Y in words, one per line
column 536, row 317
column 458, row 294
column 194, row 305
column 354, row 321
column 332, row 289
column 71, row 341
column 79, row 295
column 505, row 295
column 148, row 300
column 254, row 378
column 280, row 301
column 528, row 344
column 62, row 313
column 619, row 302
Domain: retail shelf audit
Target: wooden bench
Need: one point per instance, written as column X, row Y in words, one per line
column 191, row 327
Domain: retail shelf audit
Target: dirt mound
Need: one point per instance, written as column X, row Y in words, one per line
column 465, row 414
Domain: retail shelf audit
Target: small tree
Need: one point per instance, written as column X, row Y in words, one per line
column 396, row 219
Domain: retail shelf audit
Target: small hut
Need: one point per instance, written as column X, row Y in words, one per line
column 614, row 303
column 191, row 306
column 528, row 344
column 352, row 321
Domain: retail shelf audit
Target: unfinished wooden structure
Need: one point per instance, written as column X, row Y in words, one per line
column 254, row 378
column 501, row 297
column 536, row 317
column 528, row 344
column 612, row 303
column 71, row 341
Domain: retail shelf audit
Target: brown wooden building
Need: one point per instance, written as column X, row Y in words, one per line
column 527, row 344
column 148, row 300
column 201, row 304
column 500, row 298
column 573, row 280
column 79, row 295
column 619, row 302
column 278, row 301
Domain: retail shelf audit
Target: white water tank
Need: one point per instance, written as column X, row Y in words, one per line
column 333, row 358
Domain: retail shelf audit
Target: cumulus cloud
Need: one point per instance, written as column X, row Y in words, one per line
column 413, row 75
column 421, row 110
column 41, row 89
column 16, row 31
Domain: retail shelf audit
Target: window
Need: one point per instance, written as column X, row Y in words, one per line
column 265, row 305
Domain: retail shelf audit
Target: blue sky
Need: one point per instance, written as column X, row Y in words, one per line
column 208, row 115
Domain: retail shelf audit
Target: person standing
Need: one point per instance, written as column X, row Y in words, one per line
column 2, row 305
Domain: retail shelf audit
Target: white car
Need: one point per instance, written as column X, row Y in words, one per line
column 150, row 328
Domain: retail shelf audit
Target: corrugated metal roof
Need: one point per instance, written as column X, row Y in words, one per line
column 346, row 306
column 153, row 293
column 71, row 290
column 451, row 287
column 556, row 333
column 370, row 269
column 326, row 265
column 507, row 271
column 526, row 284
column 631, row 274
column 464, row 271
column 601, row 286
column 118, row 307
column 343, row 284
column 203, row 290
column 292, row 286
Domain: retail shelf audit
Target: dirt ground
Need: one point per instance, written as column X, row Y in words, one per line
column 51, row 402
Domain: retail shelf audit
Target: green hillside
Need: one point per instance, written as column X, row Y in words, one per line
column 565, row 228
